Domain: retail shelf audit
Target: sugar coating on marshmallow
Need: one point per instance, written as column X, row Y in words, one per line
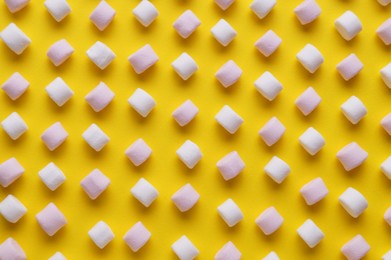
column 54, row 136
column 59, row 52
column 230, row 165
column 10, row 171
column 314, row 191
column 229, row 119
column 387, row 216
column 307, row 11
column 351, row 156
column 144, row 192
column 186, row 24
column 269, row 221
column 185, row 249
column 312, row 141
column 271, row 256
column 228, row 74
column 138, row 152
column 268, row 43
column 356, row 248
column 59, row 91
column 142, row 102
column 350, row 67
column 268, row 86
column 228, row 252
column 310, row 233
column 100, row 97
column 185, row 112
column 58, row 256
column 16, row 5
column 189, row 153
column 308, row 101
column 384, row 3
column 101, row 234
column 145, row 12
column 185, row 198
column 224, row 4
column 310, row 57
column 272, row 131
column 15, row 86
column 137, row 236
column 51, row 219
column 223, row 32
column 348, row 25
column 102, row 15
column 95, row 137
column 230, row 212
column 277, row 169
column 100, row 54
column 353, row 202
column 185, row 66
column 11, row 250
column 15, row 38
column 52, row 176
column 14, row 125
column 12, row 209
column 262, row 7
column 386, row 167
column 143, row 58
column 384, row 31
column 59, row 9
column 385, row 73
column 95, row 183
column 354, row 109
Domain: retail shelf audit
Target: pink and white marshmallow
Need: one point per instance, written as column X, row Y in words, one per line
column 350, row 67
column 228, row 74
column 356, row 248
column 137, row 236
column 314, row 191
column 230, row 212
column 58, row 256
column 224, row 4
column 310, row 233
column 52, row 176
column 308, row 101
column 15, row 86
column 384, row 31
column 16, row 40
column 272, row 131
column 95, row 137
column 310, row 57
column 348, row 25
column 58, row 9
column 95, row 183
column 51, row 219
column 102, row 15
column 353, row 202
column 351, row 156
column 228, row 252
column 100, row 54
column 145, row 12
column 307, row 11
column 268, row 86
column 54, row 136
column 312, row 141
column 385, row 73
column 59, row 52
column 144, row 192
column 386, row 167
column 100, row 97
column 185, row 113
column 269, row 221
column 143, row 58
column 223, row 32
column 185, row 249
column 16, row 5
column 268, row 43
column 59, row 91
column 138, row 152
column 354, row 109
column 14, row 126
column 230, row 165
column 10, row 171
column 186, row 24
column 11, row 250
column 262, row 7
column 185, row 198
column 142, row 102
column 229, row 119
column 101, row 234
column 271, row 256
column 185, row 66
column 189, row 153
column 277, row 169
column 12, row 209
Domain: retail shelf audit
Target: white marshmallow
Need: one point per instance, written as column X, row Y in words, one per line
column 228, row 252
column 224, row 4
column 229, row 119
column 268, row 86
column 384, row 3
column 312, row 141
column 385, row 73
column 262, row 7
column 356, row 248
column 12, row 209
column 144, row 192
column 386, row 167
column 353, row 202
column 386, row 123
column 271, row 256
column 310, row 57
column 230, row 212
column 142, row 102
column 101, row 55
column 387, row 216
column 15, row 38
column 52, row 176
column 101, row 234
column 16, row 5
column 354, row 109
column 59, row 91
column 184, row 249
column 348, row 25
column 277, row 169
column 185, row 66
column 386, row 256
column 310, row 233
column 223, row 32
column 59, row 9
column 189, row 153
column 145, row 12
column 58, row 256
column 95, row 137
column 14, row 125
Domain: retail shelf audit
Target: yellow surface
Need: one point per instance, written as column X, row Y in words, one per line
column 252, row 190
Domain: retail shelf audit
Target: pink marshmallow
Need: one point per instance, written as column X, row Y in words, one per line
column 15, row 86
column 51, row 219
column 59, row 52
column 228, row 252
column 11, row 250
column 352, row 156
column 186, row 24
column 384, row 32
column 16, row 5
column 95, row 183
column 307, row 11
column 54, row 136
column 356, row 248
column 137, row 236
column 185, row 113
column 272, row 131
column 102, row 15
column 138, row 152
column 185, row 198
column 314, row 191
column 10, row 171
column 230, row 165
column 308, row 101
column 387, row 216
column 100, row 97
column 142, row 59
column 269, row 221
column 268, row 43
column 350, row 67
column 224, row 4
column 229, row 73
column 386, row 123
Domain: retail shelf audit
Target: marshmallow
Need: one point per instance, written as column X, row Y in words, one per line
column 54, row 136
column 262, row 7
column 350, row 67
column 351, row 156
column 15, row 38
column 312, row 141
column 14, row 125
column 387, row 216
column 58, row 9
column 384, row 31
column 386, row 256
column 185, row 112
column 59, row 52
column 229, row 119
column 59, row 91
column 271, row 256
column 100, row 97
column 138, row 152
column 142, row 102
column 268, row 86
column 308, row 101
column 354, row 109
column 185, row 198
column 353, row 202
column 57, row 256
column 269, row 220
column 272, row 131
column 189, row 153
column 356, row 248
column 230, row 165
column 12, row 209
column 277, row 169
column 385, row 73
column 386, row 123
column 228, row 74
column 143, row 58
column 10, row 171
column 228, row 252
column 52, row 176
column 137, row 236
column 310, row 57
column 386, row 167
column 314, row 191
column 95, row 137
column 95, row 183
column 144, row 192
column 348, row 25
column 102, row 15
column 101, row 234
column 384, row 2
column 230, row 212
column 184, row 249
column 307, row 11
column 310, row 233
column 186, row 24
column 15, row 86
column 185, row 66
column 100, row 54
column 145, row 12
column 223, row 32
column 51, row 219
column 224, row 4
column 11, row 250
column 268, row 43
column 16, row 5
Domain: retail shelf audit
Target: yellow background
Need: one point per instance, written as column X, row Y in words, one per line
column 252, row 190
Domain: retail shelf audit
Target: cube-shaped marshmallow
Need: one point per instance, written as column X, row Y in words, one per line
column 277, row 169
column 52, row 176
column 10, row 171
column 385, row 73
column 230, row 212
column 102, row 15
column 314, row 191
column 223, row 32
column 137, row 236
column 268, row 86
column 186, row 24
column 51, row 219
column 354, row 109
column 312, row 141
column 100, row 54
column 142, row 102
column 189, row 153
column 185, row 198
column 16, row 5
column 15, row 38
column 228, row 74
column 387, row 216
column 268, row 43
column 58, row 9
column 271, row 256
column 145, row 12
column 14, row 125
column 386, row 167
column 100, row 97
column 348, row 25
column 59, row 52
column 101, row 234
column 58, row 256
column 384, row 3
column 15, row 86
column 272, row 131
column 12, row 209
column 95, row 183
column 143, row 58
column 185, row 112
column 184, row 249
column 95, row 137
column 11, row 250
column 59, row 91
column 356, row 248
column 228, row 252
column 307, row 11
column 138, row 152
column 144, row 192
column 269, row 220
column 310, row 233
column 308, row 101
column 224, row 4
column 54, row 136
column 310, row 57
column 384, row 31
column 229, row 119
column 230, row 165
column 353, row 202
column 185, row 66
column 351, row 156
column 350, row 67
column 262, row 7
